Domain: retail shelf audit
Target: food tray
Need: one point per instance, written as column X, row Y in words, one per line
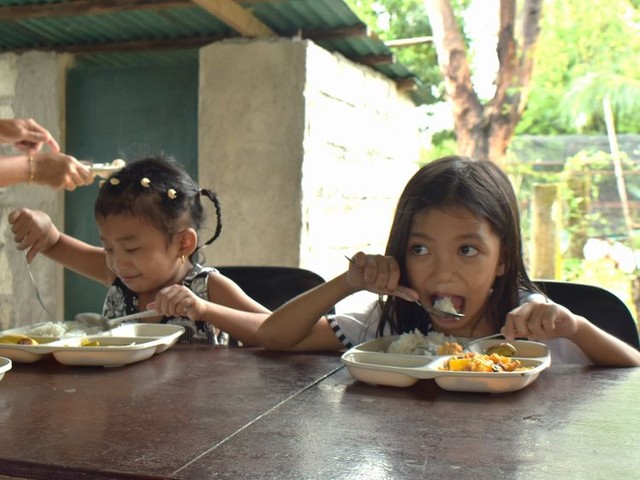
column 5, row 366
column 370, row 363
column 120, row 346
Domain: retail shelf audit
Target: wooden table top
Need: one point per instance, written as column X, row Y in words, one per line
column 201, row 412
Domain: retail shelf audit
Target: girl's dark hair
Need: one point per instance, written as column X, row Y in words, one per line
column 485, row 190
column 161, row 191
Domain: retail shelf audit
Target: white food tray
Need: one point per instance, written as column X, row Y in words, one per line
column 121, row 346
column 5, row 366
column 370, row 363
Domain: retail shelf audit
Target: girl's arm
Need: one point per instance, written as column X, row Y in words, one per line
column 34, row 231
column 229, row 308
column 602, row 348
column 539, row 321
column 232, row 310
column 300, row 324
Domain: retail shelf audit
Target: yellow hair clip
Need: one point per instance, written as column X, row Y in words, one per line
column 145, row 182
column 114, row 181
column 172, row 194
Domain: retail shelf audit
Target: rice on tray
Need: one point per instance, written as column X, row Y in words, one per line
column 418, row 343
column 55, row 329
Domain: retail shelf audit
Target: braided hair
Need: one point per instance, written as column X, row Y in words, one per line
column 159, row 190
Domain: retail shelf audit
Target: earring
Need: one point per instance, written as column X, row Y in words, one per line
column 182, row 259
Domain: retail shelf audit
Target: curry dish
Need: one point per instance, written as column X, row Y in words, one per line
column 477, row 362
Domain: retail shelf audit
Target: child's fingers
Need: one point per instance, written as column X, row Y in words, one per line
column 516, row 323
column 175, row 300
column 33, row 252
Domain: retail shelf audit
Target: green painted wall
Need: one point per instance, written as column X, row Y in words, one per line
column 123, row 113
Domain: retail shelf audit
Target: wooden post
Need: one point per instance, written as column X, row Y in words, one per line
column 545, row 232
column 579, row 184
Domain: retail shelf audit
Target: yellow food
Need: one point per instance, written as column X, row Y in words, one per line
column 505, row 349
column 477, row 362
column 18, row 339
column 88, row 343
column 449, row 348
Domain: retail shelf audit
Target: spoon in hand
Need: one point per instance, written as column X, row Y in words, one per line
column 89, row 319
column 402, row 293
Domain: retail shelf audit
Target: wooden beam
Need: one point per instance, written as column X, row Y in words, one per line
column 408, row 42
column 359, row 30
column 241, row 20
column 86, row 7
column 127, row 46
column 373, row 60
column 227, row 11
column 407, row 84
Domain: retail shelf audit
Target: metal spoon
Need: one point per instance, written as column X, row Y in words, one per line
column 505, row 346
column 35, row 285
column 401, row 292
column 103, row 170
column 90, row 320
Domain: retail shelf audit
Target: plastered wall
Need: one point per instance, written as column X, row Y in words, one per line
column 31, row 85
column 307, row 151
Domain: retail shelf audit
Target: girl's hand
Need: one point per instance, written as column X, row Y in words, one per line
column 376, row 273
column 540, row 321
column 33, row 230
column 178, row 301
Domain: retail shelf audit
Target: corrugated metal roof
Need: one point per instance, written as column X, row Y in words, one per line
column 146, row 32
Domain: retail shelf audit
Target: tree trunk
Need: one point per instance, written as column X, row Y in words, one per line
column 484, row 131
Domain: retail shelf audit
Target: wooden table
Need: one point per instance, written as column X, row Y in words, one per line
column 201, row 412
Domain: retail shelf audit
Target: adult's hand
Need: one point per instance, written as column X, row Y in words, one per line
column 27, row 135
column 59, row 170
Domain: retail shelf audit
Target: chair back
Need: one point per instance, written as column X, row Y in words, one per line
column 272, row 286
column 600, row 306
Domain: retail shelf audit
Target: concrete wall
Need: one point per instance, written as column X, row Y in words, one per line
column 31, row 85
column 307, row 151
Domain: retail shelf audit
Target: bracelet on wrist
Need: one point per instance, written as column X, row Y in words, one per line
column 31, row 170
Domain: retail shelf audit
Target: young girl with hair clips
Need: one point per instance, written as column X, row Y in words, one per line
column 148, row 215
column 456, row 235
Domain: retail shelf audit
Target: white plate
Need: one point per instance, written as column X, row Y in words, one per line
column 34, row 353
column 28, row 353
column 489, row 382
column 379, row 368
column 167, row 334
column 369, row 363
column 112, row 351
column 120, row 352
column 5, row 366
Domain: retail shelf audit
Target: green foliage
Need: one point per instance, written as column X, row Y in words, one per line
column 443, row 143
column 577, row 43
column 401, row 19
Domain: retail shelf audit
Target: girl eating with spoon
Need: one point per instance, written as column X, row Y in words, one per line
column 148, row 215
column 455, row 240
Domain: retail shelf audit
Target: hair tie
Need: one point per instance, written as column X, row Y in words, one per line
column 145, row 182
column 172, row 194
column 114, row 181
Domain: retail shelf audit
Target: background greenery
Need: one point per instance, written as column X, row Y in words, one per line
column 586, row 51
